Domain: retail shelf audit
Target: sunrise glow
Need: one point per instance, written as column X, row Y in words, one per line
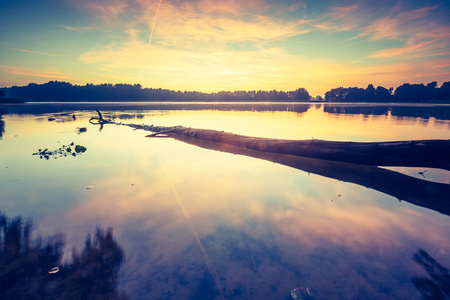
column 209, row 46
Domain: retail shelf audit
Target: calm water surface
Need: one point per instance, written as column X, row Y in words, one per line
column 196, row 223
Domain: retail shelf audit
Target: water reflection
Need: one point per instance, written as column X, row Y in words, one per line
column 52, row 108
column 437, row 285
column 34, row 269
column 267, row 229
column 401, row 111
column 2, row 126
column 61, row 117
column 358, row 110
column 424, row 112
column 439, row 112
column 419, row 192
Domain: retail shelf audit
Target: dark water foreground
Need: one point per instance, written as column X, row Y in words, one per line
column 33, row 269
column 197, row 221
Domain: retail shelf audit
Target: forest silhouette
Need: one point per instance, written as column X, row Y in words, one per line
column 65, row 91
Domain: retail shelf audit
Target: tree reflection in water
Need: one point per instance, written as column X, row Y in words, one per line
column 2, row 126
column 33, row 269
column 436, row 287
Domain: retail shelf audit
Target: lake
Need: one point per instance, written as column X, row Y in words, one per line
column 192, row 222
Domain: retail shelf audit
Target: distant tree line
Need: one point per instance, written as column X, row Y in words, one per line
column 65, row 91
column 404, row 93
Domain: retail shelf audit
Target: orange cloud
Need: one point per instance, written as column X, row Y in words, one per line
column 108, row 8
column 32, row 72
column 340, row 18
column 79, row 29
column 213, row 23
column 398, row 25
column 220, row 69
column 422, row 37
column 195, row 45
column 34, row 52
column 402, row 51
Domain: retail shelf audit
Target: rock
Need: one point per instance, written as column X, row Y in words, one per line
column 80, row 149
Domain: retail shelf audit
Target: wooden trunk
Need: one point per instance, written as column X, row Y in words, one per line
column 419, row 153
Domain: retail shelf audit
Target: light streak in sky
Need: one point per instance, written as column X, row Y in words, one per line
column 154, row 22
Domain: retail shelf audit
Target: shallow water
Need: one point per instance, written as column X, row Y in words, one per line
column 196, row 223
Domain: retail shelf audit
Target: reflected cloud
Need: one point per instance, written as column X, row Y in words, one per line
column 438, row 285
column 254, row 242
column 350, row 225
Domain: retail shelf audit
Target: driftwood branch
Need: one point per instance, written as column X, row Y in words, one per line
column 98, row 120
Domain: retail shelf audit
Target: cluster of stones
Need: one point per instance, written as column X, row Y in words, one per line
column 64, row 151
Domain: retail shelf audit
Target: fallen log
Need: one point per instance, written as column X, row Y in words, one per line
column 418, row 153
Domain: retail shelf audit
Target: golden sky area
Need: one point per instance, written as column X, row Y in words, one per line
column 210, row 46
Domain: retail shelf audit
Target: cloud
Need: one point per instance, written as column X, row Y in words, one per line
column 420, row 31
column 32, row 72
column 34, row 52
column 341, row 18
column 421, row 38
column 192, row 24
column 419, row 50
column 263, row 68
column 79, row 29
column 108, row 9
column 227, row 44
column 209, row 23
column 197, row 39
column 183, row 68
column 403, row 24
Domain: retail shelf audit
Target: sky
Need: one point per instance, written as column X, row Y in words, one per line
column 210, row 46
